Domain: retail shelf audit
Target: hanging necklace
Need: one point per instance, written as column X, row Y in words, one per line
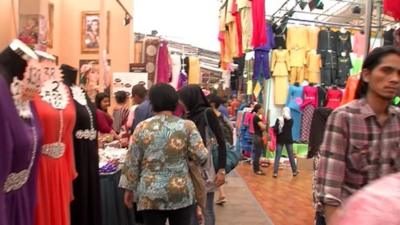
column 79, row 96
column 15, row 181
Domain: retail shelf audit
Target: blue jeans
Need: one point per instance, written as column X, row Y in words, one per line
column 208, row 212
column 278, row 154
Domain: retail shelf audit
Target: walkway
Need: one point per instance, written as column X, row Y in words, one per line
column 241, row 208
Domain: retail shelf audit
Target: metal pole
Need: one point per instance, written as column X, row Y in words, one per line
column 379, row 16
column 368, row 23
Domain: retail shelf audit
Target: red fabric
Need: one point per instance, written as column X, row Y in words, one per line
column 238, row 21
column 55, row 176
column 392, row 8
column 104, row 122
column 310, row 97
column 334, row 97
column 259, row 33
column 164, row 73
column 272, row 140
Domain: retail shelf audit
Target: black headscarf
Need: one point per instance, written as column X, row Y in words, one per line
column 194, row 99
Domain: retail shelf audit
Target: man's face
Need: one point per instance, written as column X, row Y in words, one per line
column 384, row 80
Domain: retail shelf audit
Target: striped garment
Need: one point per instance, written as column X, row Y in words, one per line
column 356, row 150
column 120, row 117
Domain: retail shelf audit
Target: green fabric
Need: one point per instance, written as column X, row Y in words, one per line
column 396, row 100
column 357, row 66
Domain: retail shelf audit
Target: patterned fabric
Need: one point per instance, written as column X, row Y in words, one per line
column 157, row 169
column 306, row 122
column 356, row 150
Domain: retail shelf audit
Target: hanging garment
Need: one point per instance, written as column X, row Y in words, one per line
column 344, row 67
column 163, row 74
column 56, row 173
column 20, row 148
column 297, row 38
column 86, row 206
column 194, row 70
column 329, row 65
column 259, row 37
column 176, row 69
column 238, row 23
column 150, row 59
column 321, row 96
column 139, row 56
column 344, row 42
column 334, row 97
column 350, row 90
column 306, row 122
column 295, row 97
column 310, row 97
column 318, row 124
column 328, row 76
column 388, row 37
column 244, row 7
column 396, row 38
column 232, row 29
column 327, row 40
column 392, row 8
column 357, row 65
column 261, row 65
column 314, row 65
column 279, row 67
column 280, row 36
column 313, row 38
column 296, row 116
column 183, row 80
column 359, row 44
column 296, row 75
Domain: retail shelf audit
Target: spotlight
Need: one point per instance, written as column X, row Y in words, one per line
column 357, row 9
column 316, row 4
column 302, row 4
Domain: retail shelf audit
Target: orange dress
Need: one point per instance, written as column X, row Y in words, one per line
column 350, row 91
column 55, row 175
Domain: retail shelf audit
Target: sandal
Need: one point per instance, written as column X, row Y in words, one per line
column 261, row 173
column 221, row 201
column 296, row 173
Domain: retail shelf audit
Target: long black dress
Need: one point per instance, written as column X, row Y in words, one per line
column 86, row 206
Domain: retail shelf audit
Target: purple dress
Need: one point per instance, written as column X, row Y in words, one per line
column 261, row 57
column 17, row 200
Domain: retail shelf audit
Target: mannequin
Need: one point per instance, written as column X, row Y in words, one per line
column 334, row 97
column 85, row 208
column 56, row 165
column 280, row 71
column 283, row 129
column 344, row 67
column 20, row 136
column 294, row 101
column 310, row 102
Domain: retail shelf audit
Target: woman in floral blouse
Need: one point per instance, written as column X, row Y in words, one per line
column 157, row 169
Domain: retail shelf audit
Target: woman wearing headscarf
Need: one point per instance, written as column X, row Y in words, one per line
column 283, row 130
column 198, row 110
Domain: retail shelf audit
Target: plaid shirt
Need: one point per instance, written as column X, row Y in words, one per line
column 356, row 150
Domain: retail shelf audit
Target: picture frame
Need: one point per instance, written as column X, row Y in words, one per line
column 50, row 25
column 28, row 31
column 90, row 32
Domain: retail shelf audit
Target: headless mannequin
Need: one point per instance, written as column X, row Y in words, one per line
column 311, row 84
column 296, row 84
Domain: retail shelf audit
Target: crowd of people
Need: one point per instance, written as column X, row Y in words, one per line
column 169, row 128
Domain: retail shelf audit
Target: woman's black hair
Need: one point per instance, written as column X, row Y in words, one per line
column 121, row 97
column 163, row 97
column 213, row 98
column 193, row 98
column 373, row 60
column 256, row 108
column 99, row 98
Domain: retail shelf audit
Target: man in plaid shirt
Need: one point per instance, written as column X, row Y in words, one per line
column 361, row 141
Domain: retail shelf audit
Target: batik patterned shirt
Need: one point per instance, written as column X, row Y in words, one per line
column 356, row 150
column 156, row 168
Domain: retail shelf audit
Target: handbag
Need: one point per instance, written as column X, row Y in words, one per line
column 233, row 154
column 199, row 183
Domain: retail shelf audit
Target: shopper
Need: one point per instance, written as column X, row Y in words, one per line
column 215, row 102
column 283, row 129
column 157, row 166
column 139, row 94
column 361, row 141
column 104, row 120
column 120, row 112
column 198, row 109
column 258, row 144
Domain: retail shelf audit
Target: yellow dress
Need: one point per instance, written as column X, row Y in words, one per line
column 313, row 38
column 297, row 63
column 297, row 37
column 194, row 70
column 280, row 66
column 314, row 67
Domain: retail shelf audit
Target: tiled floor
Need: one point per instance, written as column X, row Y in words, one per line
column 241, row 208
column 286, row 200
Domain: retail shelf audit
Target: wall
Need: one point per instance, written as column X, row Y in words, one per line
column 7, row 22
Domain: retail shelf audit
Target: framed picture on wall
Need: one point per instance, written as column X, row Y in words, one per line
column 50, row 26
column 29, row 29
column 90, row 32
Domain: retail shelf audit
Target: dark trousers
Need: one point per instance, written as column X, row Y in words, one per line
column 181, row 216
column 258, row 147
column 319, row 219
column 328, row 76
